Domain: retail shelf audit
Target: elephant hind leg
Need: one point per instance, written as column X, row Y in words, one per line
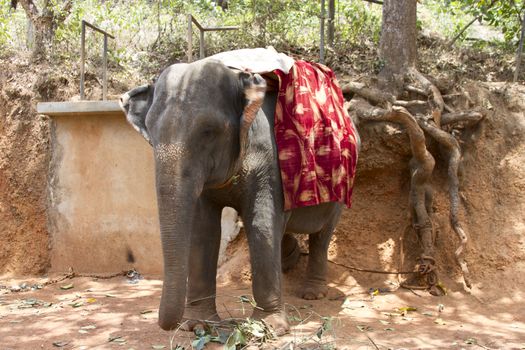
column 290, row 252
column 315, row 283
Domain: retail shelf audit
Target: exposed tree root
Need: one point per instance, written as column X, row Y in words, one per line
column 421, row 167
column 373, row 95
column 454, row 157
column 471, row 117
column 387, row 108
column 437, row 104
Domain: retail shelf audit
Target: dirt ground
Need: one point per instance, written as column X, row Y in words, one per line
column 374, row 234
column 93, row 312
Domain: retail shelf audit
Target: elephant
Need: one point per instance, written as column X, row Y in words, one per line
column 211, row 129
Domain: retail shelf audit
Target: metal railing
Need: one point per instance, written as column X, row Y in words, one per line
column 202, row 30
column 83, row 59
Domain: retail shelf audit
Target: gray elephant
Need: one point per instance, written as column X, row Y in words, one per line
column 211, row 129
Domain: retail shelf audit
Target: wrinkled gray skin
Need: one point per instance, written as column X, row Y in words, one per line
column 198, row 118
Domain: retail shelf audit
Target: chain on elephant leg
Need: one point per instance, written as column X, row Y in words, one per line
column 426, row 268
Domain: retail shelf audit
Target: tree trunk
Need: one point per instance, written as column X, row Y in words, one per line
column 43, row 36
column 330, row 33
column 397, row 47
column 43, row 24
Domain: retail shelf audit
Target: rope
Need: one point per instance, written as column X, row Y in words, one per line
column 373, row 271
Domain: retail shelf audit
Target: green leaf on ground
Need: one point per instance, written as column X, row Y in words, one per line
column 67, row 286
column 407, row 309
column 200, row 342
column 236, row 338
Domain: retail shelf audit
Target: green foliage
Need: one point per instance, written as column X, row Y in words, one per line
column 358, row 22
column 5, row 37
column 326, row 327
column 503, row 14
column 12, row 27
column 439, row 18
column 153, row 33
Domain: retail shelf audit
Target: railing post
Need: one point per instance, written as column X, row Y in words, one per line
column 82, row 59
column 190, row 39
column 520, row 51
column 201, row 44
column 321, row 48
column 105, row 76
column 202, row 30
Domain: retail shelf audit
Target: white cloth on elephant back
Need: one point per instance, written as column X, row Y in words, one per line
column 257, row 60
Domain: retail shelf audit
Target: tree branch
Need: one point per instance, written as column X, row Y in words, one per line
column 30, row 9
column 468, row 25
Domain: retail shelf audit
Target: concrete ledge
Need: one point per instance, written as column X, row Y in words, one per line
column 80, row 108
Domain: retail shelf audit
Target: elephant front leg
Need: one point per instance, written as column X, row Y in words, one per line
column 264, row 229
column 205, row 242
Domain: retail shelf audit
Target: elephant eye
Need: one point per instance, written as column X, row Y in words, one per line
column 208, row 132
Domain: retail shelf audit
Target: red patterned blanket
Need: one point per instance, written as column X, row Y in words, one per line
column 316, row 140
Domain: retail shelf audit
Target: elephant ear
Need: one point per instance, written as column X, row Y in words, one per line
column 254, row 89
column 136, row 104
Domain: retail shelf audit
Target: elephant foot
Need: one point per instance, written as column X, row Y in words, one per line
column 277, row 320
column 314, row 291
column 290, row 253
column 195, row 317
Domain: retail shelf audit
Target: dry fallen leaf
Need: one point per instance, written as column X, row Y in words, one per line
column 77, row 304
column 91, row 326
column 364, row 328
column 352, row 304
column 60, row 343
column 117, row 339
column 440, row 321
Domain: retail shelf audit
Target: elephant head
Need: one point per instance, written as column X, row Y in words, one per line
column 196, row 117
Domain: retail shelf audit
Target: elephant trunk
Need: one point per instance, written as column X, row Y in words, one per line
column 177, row 194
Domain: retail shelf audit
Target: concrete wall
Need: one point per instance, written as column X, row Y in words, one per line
column 102, row 200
